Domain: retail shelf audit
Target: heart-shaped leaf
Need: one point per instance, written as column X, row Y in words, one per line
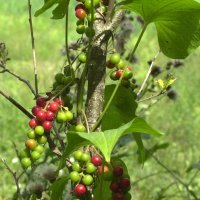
column 177, row 23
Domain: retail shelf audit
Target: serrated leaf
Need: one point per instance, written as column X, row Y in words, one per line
column 121, row 110
column 57, row 188
column 104, row 141
column 177, row 23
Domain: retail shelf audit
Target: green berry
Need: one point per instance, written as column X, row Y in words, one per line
column 74, row 176
column 76, row 167
column 85, row 157
column 87, row 180
column 80, row 128
column 115, row 59
column 25, row 152
column 26, row 162
column 90, row 168
column 78, row 154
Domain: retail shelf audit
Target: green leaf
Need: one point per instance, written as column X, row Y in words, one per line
column 57, row 188
column 194, row 166
column 177, row 23
column 121, row 110
column 140, row 145
column 33, row 197
column 60, row 11
column 104, row 141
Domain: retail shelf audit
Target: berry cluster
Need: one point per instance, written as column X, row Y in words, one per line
column 116, row 62
column 83, row 169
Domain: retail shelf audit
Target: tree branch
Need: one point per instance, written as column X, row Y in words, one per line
column 110, row 7
column 151, row 97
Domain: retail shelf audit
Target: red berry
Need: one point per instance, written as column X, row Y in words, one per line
column 54, row 107
column 118, row 171
column 118, row 74
column 96, row 160
column 80, row 189
column 80, row 13
column 58, row 101
column 105, row 169
column 79, row 6
column 41, row 115
column 47, row 125
column 33, row 123
column 118, row 196
column 48, row 107
column 128, row 68
column 114, row 187
column 35, row 109
column 41, row 101
column 124, row 183
column 50, row 116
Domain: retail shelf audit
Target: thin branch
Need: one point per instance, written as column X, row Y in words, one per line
column 148, row 73
column 17, row 76
column 151, row 97
column 16, row 104
column 15, row 177
column 86, row 121
column 33, row 47
column 110, row 7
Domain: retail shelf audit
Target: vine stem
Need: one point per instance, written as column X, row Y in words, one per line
column 150, row 68
column 157, row 95
column 115, row 90
column 33, row 48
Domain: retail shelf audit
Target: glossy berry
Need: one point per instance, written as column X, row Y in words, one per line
column 76, row 167
column 26, row 162
column 55, row 84
column 115, row 59
column 96, row 160
column 87, row 180
column 114, row 187
column 118, row 196
column 74, row 176
column 25, row 152
column 59, row 77
column 31, row 134
column 41, row 115
column 113, row 75
column 124, row 183
column 88, row 4
column 85, row 157
column 41, row 101
column 35, row 155
column 80, row 6
column 48, row 107
column 82, row 58
column 109, row 64
column 80, row 29
column 80, row 22
column 90, row 32
column 80, row 189
column 125, row 83
column 120, row 65
column 47, row 125
column 61, row 117
column 33, row 123
column 39, row 148
column 105, row 169
column 50, row 116
column 78, row 154
column 108, row 175
column 54, row 107
column 89, row 17
column 118, row 74
column 128, row 68
column 42, row 139
column 104, row 8
column 35, row 109
column 90, row 168
column 69, row 115
column 80, row 13
column 80, row 128
column 118, row 171
column 128, row 74
column 128, row 196
column 39, row 130
column 67, row 80
column 31, row 144
column 57, row 100
column 106, row 2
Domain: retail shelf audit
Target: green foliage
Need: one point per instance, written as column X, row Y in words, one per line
column 177, row 23
column 33, row 197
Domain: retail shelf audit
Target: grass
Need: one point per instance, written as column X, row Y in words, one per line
column 179, row 120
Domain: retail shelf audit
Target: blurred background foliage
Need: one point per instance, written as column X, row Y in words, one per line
column 179, row 119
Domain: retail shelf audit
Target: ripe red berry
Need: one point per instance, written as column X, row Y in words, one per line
column 128, row 68
column 118, row 74
column 118, row 196
column 118, row 171
column 48, row 107
column 41, row 115
column 96, row 160
column 54, row 107
column 35, row 109
column 41, row 101
column 80, row 189
column 79, row 6
column 47, row 125
column 80, row 13
column 124, row 183
column 33, row 123
column 50, row 116
column 114, row 187
column 58, row 101
column 105, row 169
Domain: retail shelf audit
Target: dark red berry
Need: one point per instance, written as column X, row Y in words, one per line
column 47, row 125
column 118, row 171
column 41, row 101
column 80, row 189
column 124, row 183
column 33, row 123
column 50, row 116
column 114, row 187
column 128, row 68
column 54, row 107
column 58, row 101
column 35, row 109
column 109, row 64
column 96, row 160
column 80, row 6
column 118, row 196
column 118, row 74
column 41, row 115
